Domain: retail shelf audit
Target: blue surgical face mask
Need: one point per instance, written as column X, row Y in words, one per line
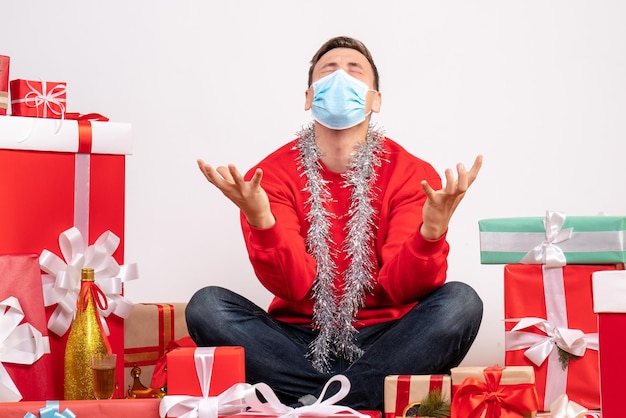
column 339, row 100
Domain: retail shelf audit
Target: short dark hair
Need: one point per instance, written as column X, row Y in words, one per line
column 344, row 42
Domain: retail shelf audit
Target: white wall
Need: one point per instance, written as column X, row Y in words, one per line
column 538, row 87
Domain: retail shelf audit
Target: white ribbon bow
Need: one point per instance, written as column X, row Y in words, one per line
column 62, row 283
column 574, row 341
column 548, row 252
column 50, row 99
column 19, row 344
column 562, row 407
column 228, row 402
column 321, row 408
column 240, row 396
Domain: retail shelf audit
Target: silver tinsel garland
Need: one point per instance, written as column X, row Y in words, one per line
column 334, row 310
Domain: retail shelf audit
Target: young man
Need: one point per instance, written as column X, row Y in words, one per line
column 348, row 232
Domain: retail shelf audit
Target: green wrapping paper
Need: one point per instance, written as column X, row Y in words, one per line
column 555, row 240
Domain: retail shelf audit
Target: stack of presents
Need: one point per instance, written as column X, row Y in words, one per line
column 62, row 185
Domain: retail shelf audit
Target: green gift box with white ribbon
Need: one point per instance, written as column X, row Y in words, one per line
column 555, row 240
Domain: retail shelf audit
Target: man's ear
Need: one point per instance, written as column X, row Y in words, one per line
column 308, row 98
column 376, row 101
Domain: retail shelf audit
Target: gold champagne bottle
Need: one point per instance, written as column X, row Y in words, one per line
column 85, row 339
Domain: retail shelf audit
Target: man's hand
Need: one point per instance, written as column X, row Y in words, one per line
column 249, row 196
column 441, row 204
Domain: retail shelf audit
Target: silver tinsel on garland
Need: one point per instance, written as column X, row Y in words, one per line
column 334, row 312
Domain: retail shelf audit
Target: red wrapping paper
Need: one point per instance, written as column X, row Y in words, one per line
column 40, row 99
column 611, row 327
column 37, row 204
column 4, row 84
column 524, row 297
column 609, row 294
column 228, row 369
column 20, row 277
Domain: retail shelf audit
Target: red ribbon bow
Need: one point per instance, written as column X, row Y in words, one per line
column 84, row 128
column 100, row 299
column 499, row 401
column 91, row 288
column 88, row 116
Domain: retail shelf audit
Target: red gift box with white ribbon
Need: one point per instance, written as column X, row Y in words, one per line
column 24, row 357
column 40, row 99
column 226, row 365
column 56, row 175
column 209, row 382
column 550, row 325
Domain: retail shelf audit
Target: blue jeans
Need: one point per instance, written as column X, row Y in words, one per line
column 430, row 339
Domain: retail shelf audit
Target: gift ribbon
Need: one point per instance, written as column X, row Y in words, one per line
column 82, row 169
column 88, row 289
column 51, row 410
column 562, row 407
column 539, row 347
column 97, row 117
column 548, row 252
column 228, row 402
column 61, row 284
column 320, row 408
column 84, row 128
column 50, row 99
column 19, row 344
column 497, row 401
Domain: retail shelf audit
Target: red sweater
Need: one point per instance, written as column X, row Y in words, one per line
column 409, row 266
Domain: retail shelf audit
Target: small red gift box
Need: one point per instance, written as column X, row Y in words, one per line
column 609, row 298
column 403, row 392
column 20, row 277
column 549, row 314
column 227, row 365
column 4, row 84
column 493, row 391
column 48, row 186
column 40, row 99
